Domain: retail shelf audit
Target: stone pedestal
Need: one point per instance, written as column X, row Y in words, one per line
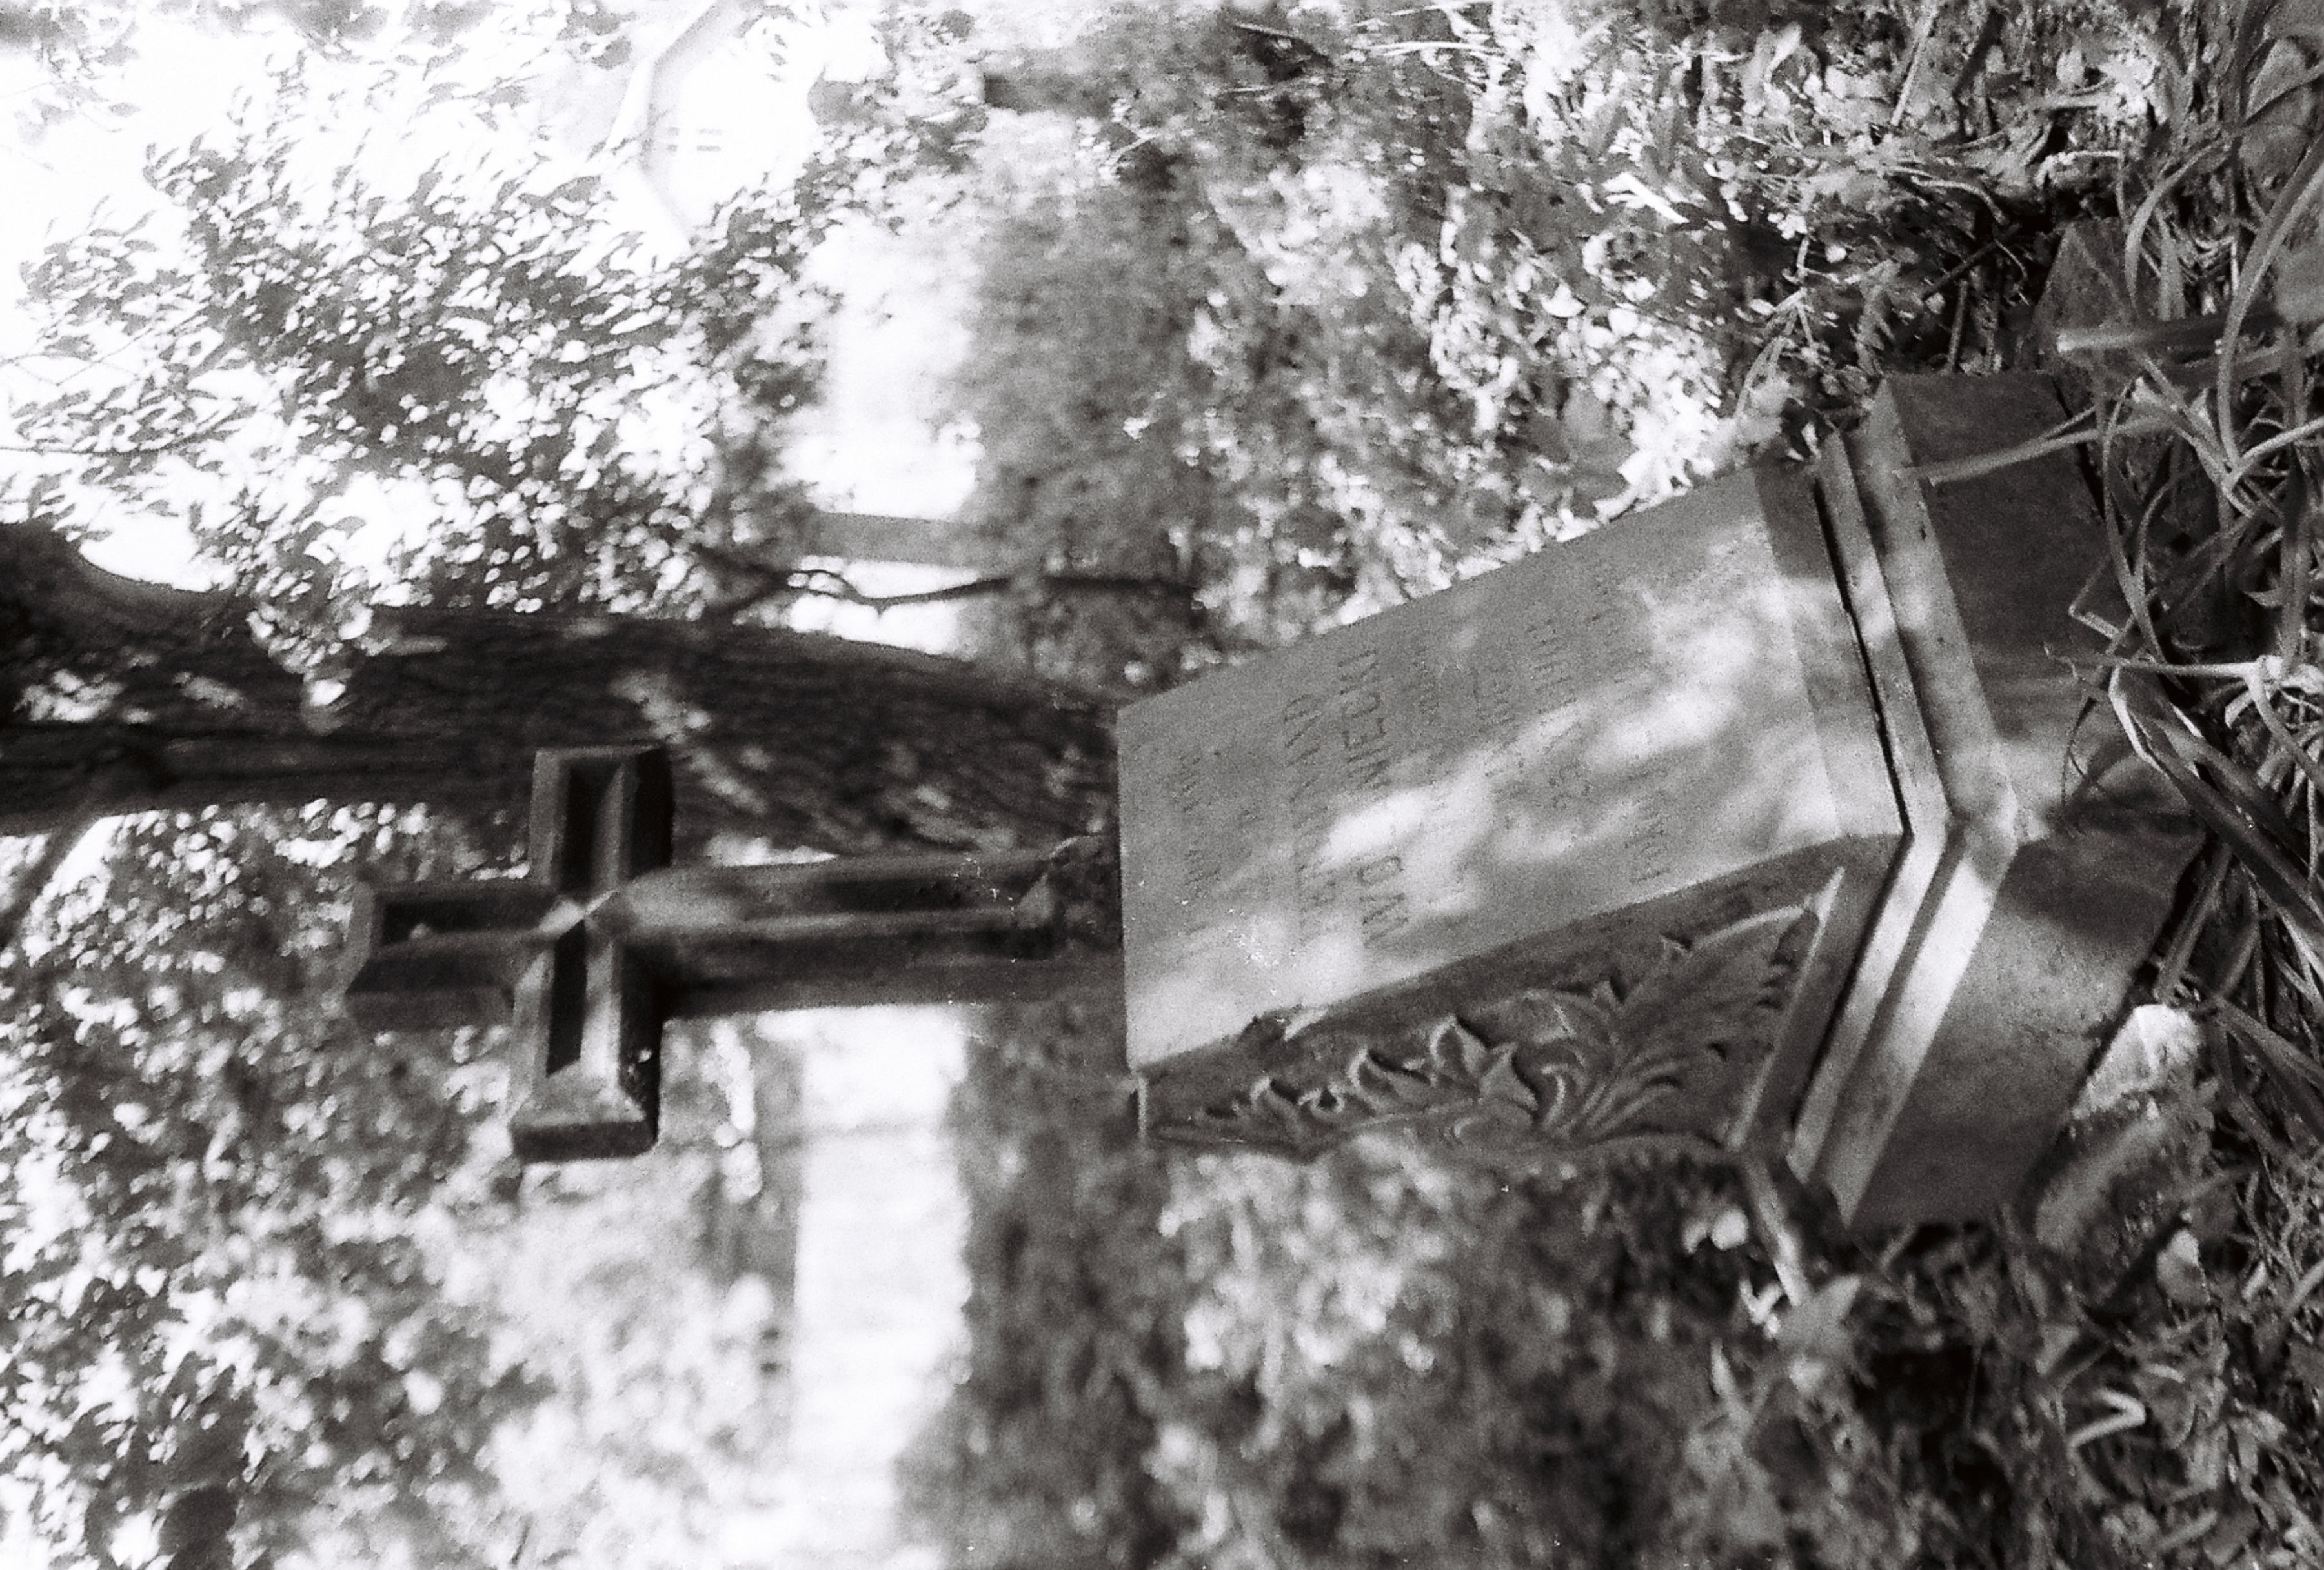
column 2042, row 863
column 1747, row 821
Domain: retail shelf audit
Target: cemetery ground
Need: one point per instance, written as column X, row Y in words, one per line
column 1395, row 316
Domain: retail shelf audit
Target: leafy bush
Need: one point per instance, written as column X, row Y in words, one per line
column 217, row 1275
column 1409, row 289
column 1184, row 1360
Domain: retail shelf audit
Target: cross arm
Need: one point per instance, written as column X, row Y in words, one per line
column 915, row 927
column 437, row 956
column 586, row 1010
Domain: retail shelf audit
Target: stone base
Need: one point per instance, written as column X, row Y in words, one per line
column 2042, row 863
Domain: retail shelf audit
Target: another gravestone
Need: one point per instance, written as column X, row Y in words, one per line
column 603, row 941
column 1748, row 822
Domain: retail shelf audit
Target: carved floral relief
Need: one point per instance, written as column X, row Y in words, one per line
column 1662, row 1062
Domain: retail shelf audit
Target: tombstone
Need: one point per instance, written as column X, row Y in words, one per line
column 1772, row 819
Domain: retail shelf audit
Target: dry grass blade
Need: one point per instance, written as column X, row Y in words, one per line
column 2063, row 437
column 2292, row 205
column 2303, row 978
column 2295, row 1076
column 2194, row 332
column 2227, row 1067
column 2214, row 147
column 2237, row 808
column 2298, row 504
column 2126, row 556
column 2208, row 907
column 2263, row 705
column 1917, row 52
column 2161, row 720
column 2235, row 668
column 2128, row 1412
column 2271, row 447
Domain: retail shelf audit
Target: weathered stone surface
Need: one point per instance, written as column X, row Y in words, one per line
column 2039, row 869
column 1571, row 856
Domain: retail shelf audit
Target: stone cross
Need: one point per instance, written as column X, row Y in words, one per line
column 603, row 940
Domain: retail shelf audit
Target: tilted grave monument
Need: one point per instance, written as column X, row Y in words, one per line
column 1578, row 852
column 1768, row 820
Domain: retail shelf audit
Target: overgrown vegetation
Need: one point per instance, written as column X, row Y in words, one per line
column 1454, row 280
column 1383, row 295
column 1300, row 309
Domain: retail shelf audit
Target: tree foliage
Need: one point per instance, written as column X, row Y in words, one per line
column 492, row 354
column 1386, row 294
column 84, row 50
column 278, row 1292
column 213, row 1188
column 1180, row 1359
column 236, row 1225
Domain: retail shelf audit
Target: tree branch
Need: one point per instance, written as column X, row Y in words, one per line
column 775, row 580
column 1020, row 583
column 141, row 449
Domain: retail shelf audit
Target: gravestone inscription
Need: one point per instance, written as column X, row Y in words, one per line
column 1588, row 841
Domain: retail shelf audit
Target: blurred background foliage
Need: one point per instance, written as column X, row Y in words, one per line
column 1284, row 312
column 268, row 1272
column 299, row 359
column 1392, row 294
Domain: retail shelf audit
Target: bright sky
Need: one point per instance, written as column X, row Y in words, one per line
column 880, row 1286
column 92, row 161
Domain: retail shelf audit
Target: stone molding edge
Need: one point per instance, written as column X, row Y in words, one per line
column 1865, row 998
column 1988, row 881
column 1965, row 829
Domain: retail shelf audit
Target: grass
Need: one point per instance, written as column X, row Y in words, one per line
column 2146, row 1374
